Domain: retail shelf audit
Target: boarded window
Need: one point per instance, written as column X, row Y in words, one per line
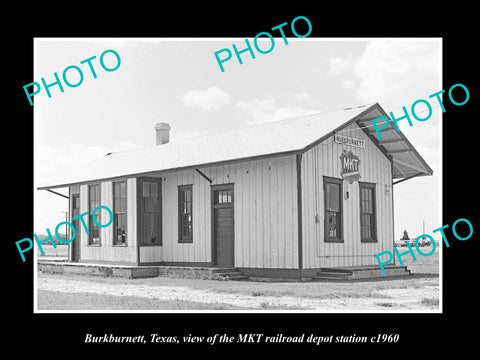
column 367, row 212
column 120, row 213
column 333, row 209
column 94, row 202
column 185, row 220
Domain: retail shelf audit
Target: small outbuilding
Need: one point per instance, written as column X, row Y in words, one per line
column 280, row 199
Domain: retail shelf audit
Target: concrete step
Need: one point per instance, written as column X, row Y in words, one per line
column 229, row 274
column 331, row 276
column 336, row 270
column 237, row 277
column 365, row 272
column 327, row 279
column 223, row 270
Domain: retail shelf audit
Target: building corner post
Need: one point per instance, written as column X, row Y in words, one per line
column 299, row 211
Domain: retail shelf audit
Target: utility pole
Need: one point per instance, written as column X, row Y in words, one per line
column 66, row 220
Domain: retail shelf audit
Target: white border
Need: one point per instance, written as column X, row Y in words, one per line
column 294, row 39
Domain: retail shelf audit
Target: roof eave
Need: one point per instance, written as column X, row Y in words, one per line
column 404, row 138
column 181, row 168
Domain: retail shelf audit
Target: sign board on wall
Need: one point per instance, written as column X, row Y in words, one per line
column 341, row 139
column 350, row 166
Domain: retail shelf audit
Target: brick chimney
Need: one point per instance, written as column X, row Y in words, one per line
column 162, row 132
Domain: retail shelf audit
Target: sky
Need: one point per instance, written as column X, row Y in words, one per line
column 179, row 81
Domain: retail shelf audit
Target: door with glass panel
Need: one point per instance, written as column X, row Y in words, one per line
column 223, row 225
column 149, row 212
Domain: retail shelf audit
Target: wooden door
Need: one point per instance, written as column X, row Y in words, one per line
column 150, row 212
column 223, row 226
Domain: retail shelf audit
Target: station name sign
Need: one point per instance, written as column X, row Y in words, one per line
column 341, row 139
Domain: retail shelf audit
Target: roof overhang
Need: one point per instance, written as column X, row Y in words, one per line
column 162, row 171
column 407, row 162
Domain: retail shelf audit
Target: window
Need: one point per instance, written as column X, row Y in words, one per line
column 185, row 223
column 151, row 212
column 222, row 197
column 75, row 201
column 367, row 212
column 93, row 202
column 333, row 209
column 119, row 213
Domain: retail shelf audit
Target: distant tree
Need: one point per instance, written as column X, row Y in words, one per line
column 64, row 238
column 405, row 235
column 57, row 242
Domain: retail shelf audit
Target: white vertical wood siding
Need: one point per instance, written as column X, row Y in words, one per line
column 324, row 160
column 150, row 254
column 132, row 219
column 108, row 252
column 84, row 254
column 265, row 213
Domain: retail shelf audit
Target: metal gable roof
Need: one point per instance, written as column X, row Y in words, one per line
column 407, row 162
column 285, row 136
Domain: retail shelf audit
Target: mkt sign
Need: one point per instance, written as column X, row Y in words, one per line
column 350, row 166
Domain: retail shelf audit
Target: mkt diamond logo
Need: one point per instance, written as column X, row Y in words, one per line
column 350, row 166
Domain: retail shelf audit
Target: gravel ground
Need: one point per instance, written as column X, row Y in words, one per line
column 411, row 294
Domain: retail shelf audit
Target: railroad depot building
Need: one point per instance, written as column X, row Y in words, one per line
column 280, row 199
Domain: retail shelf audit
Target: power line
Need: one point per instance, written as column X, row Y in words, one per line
column 369, row 126
column 351, row 108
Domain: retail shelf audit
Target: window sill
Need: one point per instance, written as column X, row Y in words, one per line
column 94, row 245
column 369, row 240
column 120, row 245
column 150, row 245
column 327, row 240
column 185, row 241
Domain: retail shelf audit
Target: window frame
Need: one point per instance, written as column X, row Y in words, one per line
column 91, row 223
column 372, row 186
column 125, row 213
column 331, row 180
column 181, row 238
column 226, row 192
